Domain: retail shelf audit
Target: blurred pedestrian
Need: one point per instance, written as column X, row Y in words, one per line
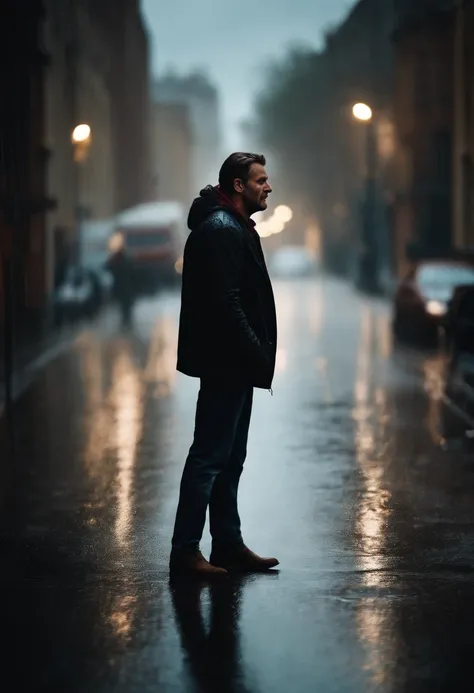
column 122, row 270
column 227, row 338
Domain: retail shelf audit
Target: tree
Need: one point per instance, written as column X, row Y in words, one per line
column 303, row 116
column 296, row 119
column 287, row 115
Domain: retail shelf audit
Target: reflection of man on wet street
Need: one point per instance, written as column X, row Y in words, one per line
column 213, row 654
column 227, row 338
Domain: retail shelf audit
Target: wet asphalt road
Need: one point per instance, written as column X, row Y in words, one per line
column 347, row 482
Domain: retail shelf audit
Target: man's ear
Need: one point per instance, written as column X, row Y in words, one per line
column 238, row 185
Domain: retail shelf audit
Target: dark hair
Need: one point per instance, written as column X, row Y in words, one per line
column 237, row 165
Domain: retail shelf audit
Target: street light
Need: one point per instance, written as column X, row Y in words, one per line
column 368, row 260
column 81, row 133
column 361, row 111
column 81, row 138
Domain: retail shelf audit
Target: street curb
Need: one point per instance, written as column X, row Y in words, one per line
column 446, row 399
column 468, row 391
column 460, row 413
column 24, row 378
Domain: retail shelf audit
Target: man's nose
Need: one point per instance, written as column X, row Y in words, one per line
column 268, row 188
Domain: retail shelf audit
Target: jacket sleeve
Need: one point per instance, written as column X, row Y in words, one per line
column 224, row 248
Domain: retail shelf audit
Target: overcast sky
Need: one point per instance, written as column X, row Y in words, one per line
column 233, row 40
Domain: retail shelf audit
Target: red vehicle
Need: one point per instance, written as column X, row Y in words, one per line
column 422, row 298
column 154, row 235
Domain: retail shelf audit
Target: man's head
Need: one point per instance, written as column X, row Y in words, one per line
column 243, row 178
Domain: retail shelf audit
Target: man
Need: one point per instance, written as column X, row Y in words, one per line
column 227, row 338
column 122, row 270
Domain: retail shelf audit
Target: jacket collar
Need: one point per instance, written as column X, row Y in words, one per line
column 253, row 238
column 229, row 204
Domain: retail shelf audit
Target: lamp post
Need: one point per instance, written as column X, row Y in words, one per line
column 368, row 259
column 81, row 138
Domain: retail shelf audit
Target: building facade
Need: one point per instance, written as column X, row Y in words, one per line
column 463, row 174
column 99, row 77
column 200, row 96
column 131, row 105
column 24, row 201
column 78, row 91
column 424, row 114
column 66, row 62
column 172, row 152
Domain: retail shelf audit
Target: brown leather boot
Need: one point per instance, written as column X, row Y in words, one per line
column 240, row 558
column 193, row 564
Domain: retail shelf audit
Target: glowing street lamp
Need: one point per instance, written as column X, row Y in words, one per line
column 368, row 260
column 81, row 137
column 361, row 111
column 81, row 133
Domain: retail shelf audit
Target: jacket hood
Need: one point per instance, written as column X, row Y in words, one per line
column 209, row 201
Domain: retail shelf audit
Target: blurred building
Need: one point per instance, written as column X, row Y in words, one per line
column 66, row 62
column 24, row 201
column 130, row 83
column 172, row 152
column 200, row 96
column 78, row 90
column 99, row 76
column 463, row 231
column 424, row 110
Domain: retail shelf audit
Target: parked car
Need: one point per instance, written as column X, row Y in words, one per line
column 422, row 298
column 103, row 283
column 77, row 297
column 459, row 337
column 459, row 361
column 94, row 253
column 292, row 262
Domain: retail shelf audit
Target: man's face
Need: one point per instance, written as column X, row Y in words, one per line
column 256, row 190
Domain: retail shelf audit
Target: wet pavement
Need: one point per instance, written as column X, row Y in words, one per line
column 348, row 482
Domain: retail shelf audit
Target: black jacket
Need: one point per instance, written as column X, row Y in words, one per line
column 227, row 329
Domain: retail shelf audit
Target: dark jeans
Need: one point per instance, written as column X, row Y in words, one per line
column 214, row 465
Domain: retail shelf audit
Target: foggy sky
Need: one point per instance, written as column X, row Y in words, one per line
column 233, row 40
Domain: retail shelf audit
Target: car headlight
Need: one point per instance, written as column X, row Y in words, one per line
column 436, row 308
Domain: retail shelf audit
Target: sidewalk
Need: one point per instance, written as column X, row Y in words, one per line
column 29, row 359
